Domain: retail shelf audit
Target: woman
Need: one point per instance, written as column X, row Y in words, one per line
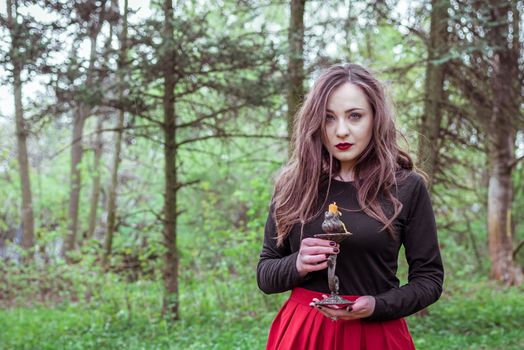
column 345, row 151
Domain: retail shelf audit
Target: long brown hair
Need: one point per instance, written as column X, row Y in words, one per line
column 296, row 190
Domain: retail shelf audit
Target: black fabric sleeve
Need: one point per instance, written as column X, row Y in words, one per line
column 276, row 270
column 426, row 273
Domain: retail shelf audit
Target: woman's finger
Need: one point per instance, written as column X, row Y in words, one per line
column 304, row 268
column 310, row 241
column 313, row 259
column 341, row 314
column 316, row 250
column 313, row 253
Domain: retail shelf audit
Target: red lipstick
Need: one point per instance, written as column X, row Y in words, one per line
column 343, row 146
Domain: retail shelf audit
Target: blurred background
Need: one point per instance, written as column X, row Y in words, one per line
column 139, row 143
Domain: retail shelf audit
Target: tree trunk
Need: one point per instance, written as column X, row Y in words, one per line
column 429, row 140
column 296, row 62
column 95, row 190
column 111, row 203
column 28, row 239
column 170, row 300
column 77, row 152
column 505, row 87
column 500, row 196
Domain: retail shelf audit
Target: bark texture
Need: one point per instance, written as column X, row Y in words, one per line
column 27, row 217
column 112, row 199
column 429, row 132
column 95, row 189
column 296, row 62
column 77, row 149
column 170, row 302
column 505, row 87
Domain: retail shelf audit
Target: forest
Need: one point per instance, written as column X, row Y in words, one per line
column 140, row 141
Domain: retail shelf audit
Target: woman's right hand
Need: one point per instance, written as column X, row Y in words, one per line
column 313, row 255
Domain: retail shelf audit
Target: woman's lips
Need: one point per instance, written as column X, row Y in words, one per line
column 344, row 146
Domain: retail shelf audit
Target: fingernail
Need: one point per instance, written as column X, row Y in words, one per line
column 335, row 250
column 331, row 243
column 327, row 256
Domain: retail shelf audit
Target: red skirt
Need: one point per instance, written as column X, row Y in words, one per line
column 299, row 326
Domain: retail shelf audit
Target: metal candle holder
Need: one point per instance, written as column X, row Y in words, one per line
column 331, row 224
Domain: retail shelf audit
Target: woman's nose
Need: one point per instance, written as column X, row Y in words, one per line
column 342, row 128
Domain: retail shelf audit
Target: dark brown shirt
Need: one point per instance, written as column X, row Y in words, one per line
column 367, row 262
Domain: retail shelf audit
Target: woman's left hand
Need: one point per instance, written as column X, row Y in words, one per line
column 363, row 307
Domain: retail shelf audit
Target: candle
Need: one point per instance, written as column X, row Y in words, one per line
column 333, row 208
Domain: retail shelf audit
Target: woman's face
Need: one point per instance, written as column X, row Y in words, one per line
column 349, row 124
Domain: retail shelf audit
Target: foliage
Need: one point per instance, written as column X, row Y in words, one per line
column 231, row 54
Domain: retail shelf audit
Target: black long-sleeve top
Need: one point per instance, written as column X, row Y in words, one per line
column 367, row 262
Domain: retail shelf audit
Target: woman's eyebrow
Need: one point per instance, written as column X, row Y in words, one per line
column 348, row 110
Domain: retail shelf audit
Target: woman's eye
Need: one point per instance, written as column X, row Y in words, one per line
column 329, row 117
column 355, row 116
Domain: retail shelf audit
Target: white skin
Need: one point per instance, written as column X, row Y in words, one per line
column 349, row 118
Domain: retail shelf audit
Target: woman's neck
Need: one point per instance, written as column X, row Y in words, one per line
column 346, row 175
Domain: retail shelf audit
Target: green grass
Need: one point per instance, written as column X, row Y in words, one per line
column 235, row 315
column 80, row 328
column 476, row 316
column 127, row 316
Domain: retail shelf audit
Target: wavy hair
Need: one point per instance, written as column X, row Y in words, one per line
column 295, row 198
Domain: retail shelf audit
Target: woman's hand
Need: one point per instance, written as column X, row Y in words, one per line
column 363, row 307
column 313, row 254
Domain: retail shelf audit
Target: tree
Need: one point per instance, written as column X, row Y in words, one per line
column 170, row 159
column 95, row 189
column 93, row 15
column 502, row 126
column 295, row 92
column 22, row 53
column 113, row 187
column 488, row 76
column 204, row 79
column 430, row 124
